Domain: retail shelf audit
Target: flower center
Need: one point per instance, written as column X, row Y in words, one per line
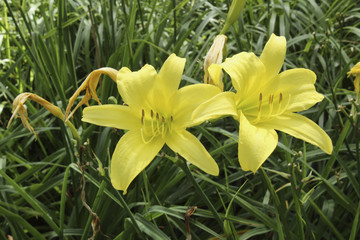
column 272, row 106
column 154, row 124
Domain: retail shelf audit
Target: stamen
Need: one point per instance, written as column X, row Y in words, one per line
column 157, row 122
column 260, row 101
column 259, row 109
column 142, row 116
column 170, row 125
column 163, row 127
column 271, row 105
column 143, row 138
column 160, row 124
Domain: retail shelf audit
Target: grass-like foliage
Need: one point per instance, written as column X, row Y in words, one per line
column 59, row 188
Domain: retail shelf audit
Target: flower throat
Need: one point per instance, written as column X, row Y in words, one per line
column 275, row 106
column 154, row 124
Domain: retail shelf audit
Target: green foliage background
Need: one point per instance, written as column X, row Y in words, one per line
column 49, row 47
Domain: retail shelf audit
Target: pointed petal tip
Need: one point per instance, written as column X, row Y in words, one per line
column 214, row 170
column 119, row 187
column 328, row 148
column 247, row 168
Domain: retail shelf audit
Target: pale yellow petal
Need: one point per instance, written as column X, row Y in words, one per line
column 273, row 55
column 134, row 87
column 116, row 116
column 190, row 148
column 216, row 76
column 130, row 157
column 170, row 74
column 167, row 83
column 222, row 104
column 247, row 73
column 187, row 99
column 255, row 144
column 297, row 89
column 303, row 128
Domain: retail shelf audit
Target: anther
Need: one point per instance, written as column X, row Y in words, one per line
column 260, row 100
column 171, row 118
column 157, row 116
column 162, row 119
column 152, row 113
column 142, row 116
column 280, row 98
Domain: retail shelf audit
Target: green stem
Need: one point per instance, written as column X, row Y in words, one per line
column 73, row 130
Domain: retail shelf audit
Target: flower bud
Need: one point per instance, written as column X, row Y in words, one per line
column 233, row 14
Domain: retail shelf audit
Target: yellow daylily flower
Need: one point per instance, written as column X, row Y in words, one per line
column 355, row 71
column 155, row 112
column 266, row 101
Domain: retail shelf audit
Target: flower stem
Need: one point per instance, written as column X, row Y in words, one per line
column 73, row 130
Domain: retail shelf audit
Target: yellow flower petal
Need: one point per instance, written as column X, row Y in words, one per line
column 255, row 144
column 190, row 148
column 273, row 55
column 130, row 157
column 302, row 128
column 247, row 72
column 216, row 76
column 134, row 87
column 222, row 104
column 297, row 88
column 187, row 99
column 170, row 74
column 167, row 83
column 116, row 116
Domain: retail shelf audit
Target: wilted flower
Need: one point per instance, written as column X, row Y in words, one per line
column 89, row 85
column 19, row 108
column 215, row 55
